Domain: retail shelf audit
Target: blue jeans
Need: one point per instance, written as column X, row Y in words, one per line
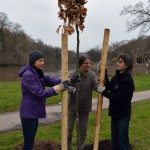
column 29, row 127
column 119, row 133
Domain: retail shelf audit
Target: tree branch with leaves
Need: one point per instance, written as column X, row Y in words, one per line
column 73, row 13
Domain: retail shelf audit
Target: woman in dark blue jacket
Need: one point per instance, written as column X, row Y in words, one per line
column 119, row 91
column 34, row 94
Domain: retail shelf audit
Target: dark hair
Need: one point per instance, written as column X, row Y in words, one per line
column 82, row 59
column 128, row 61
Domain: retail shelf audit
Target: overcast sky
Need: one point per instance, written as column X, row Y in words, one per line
column 39, row 19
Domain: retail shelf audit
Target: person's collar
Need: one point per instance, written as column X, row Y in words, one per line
column 38, row 71
column 83, row 73
column 121, row 74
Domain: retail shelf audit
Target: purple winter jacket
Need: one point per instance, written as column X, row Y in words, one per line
column 34, row 93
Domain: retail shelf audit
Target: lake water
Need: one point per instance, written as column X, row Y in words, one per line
column 10, row 74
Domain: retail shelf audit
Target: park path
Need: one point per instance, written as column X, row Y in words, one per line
column 11, row 120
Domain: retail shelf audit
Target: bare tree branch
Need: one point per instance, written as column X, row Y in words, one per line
column 138, row 17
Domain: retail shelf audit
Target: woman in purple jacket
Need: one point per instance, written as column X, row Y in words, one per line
column 34, row 95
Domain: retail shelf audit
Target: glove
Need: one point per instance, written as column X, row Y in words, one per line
column 105, row 71
column 75, row 78
column 65, row 84
column 58, row 88
column 62, row 86
column 106, row 75
column 100, row 89
column 74, row 90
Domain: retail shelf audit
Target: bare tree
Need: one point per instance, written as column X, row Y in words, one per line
column 94, row 54
column 139, row 16
column 16, row 33
column 4, row 22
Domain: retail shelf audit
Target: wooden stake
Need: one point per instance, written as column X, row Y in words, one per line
column 65, row 92
column 101, row 82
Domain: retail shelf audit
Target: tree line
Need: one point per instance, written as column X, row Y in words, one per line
column 15, row 44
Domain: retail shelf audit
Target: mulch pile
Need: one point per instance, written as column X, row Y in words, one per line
column 49, row 145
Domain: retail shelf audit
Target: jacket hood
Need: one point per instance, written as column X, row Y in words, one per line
column 24, row 69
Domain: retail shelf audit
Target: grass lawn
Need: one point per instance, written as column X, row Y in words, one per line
column 139, row 129
column 10, row 93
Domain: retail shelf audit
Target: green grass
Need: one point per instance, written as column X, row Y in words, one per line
column 10, row 97
column 139, row 129
column 10, row 93
column 142, row 82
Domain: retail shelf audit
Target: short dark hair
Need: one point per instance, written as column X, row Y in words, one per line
column 81, row 59
column 128, row 61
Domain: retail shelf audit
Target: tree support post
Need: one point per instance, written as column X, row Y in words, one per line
column 101, row 82
column 64, row 128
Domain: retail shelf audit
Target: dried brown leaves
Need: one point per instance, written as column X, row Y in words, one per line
column 73, row 13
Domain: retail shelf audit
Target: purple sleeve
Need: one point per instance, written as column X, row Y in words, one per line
column 51, row 81
column 31, row 85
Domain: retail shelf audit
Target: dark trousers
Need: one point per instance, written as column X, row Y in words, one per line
column 29, row 127
column 83, row 124
column 119, row 134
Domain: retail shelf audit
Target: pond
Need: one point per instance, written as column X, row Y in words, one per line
column 10, row 73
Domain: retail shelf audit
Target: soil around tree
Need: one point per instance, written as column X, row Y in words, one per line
column 49, row 145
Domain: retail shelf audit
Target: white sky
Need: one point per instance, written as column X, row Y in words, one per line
column 39, row 20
